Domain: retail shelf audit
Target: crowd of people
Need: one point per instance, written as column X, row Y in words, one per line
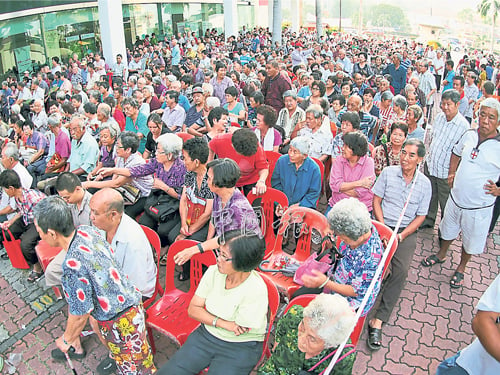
column 178, row 132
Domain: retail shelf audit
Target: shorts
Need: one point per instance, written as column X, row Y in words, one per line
column 473, row 224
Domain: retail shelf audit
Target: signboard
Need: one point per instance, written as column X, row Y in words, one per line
column 87, row 36
column 72, row 38
column 23, row 59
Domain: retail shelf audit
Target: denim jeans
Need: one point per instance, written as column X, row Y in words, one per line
column 450, row 367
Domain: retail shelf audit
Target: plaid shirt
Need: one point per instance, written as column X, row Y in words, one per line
column 28, row 201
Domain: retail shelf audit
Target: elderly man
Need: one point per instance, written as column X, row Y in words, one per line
column 290, row 115
column 96, row 289
column 395, row 185
column 195, row 113
column 274, row 86
column 473, row 170
column 427, row 85
column 105, row 118
column 297, row 175
column 321, row 137
column 21, row 225
column 135, row 121
column 36, row 142
column 471, row 92
column 366, row 121
column 345, row 61
column 448, row 128
column 132, row 250
column 174, row 115
column 84, row 148
column 397, row 72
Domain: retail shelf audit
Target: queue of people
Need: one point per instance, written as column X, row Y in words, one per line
column 190, row 123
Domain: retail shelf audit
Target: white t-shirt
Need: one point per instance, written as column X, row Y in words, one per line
column 474, row 358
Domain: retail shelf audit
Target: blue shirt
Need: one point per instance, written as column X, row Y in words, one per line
column 302, row 186
column 84, row 153
column 449, row 77
column 176, row 55
column 140, row 126
column 398, row 77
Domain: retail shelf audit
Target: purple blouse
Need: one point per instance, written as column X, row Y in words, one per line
column 174, row 177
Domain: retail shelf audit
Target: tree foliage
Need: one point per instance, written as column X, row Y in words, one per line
column 386, row 15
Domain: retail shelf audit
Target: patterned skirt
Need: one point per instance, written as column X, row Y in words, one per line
column 126, row 338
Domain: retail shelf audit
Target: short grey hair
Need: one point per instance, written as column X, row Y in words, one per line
column 400, row 101
column 303, row 144
column 491, row 103
column 349, row 217
column 290, row 94
column 54, row 120
column 104, row 109
column 80, row 120
column 112, row 130
column 171, row 144
column 212, row 102
column 15, row 109
column 61, row 95
column 386, row 95
column 331, row 317
column 207, row 88
column 11, row 151
column 316, row 110
column 417, row 111
column 149, row 88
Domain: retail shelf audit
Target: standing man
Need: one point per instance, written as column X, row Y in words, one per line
column 450, row 74
column 448, row 128
column 176, row 55
column 428, row 86
column 274, row 86
column 397, row 72
column 120, row 68
column 97, row 290
column 391, row 191
column 474, row 169
column 471, row 94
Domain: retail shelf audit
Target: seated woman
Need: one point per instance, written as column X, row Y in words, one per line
column 126, row 157
column 231, row 303
column 362, row 251
column 320, row 136
column 167, row 168
column 269, row 137
column 352, row 173
column 237, row 113
column 297, row 175
column 156, row 128
column 195, row 207
column 318, row 90
column 350, row 122
column 231, row 209
column 107, row 152
column 388, row 153
column 307, row 337
column 217, row 118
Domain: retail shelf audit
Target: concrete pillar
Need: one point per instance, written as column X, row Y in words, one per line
column 277, row 18
column 112, row 32
column 295, row 15
column 270, row 5
column 230, row 19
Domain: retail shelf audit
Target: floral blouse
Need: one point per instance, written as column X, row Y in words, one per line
column 380, row 159
column 174, row 177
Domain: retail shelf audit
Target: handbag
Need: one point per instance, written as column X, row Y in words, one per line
column 130, row 194
column 54, row 160
column 13, row 248
column 160, row 206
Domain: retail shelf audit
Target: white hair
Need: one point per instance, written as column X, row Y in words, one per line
column 213, row 101
column 331, row 317
column 491, row 103
column 303, row 144
column 170, row 143
column 350, row 217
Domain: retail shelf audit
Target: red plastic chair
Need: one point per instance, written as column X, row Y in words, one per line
column 272, row 157
column 185, row 136
column 309, row 220
column 169, row 314
column 269, row 198
column 322, row 171
column 46, row 254
column 154, row 240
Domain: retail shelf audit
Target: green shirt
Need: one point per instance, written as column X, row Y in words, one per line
column 287, row 359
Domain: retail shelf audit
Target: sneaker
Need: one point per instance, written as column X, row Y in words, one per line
column 107, row 367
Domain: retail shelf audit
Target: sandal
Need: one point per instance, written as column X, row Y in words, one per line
column 34, row 276
column 107, row 366
column 431, row 260
column 457, row 280
column 163, row 260
column 182, row 276
column 58, row 355
column 374, row 340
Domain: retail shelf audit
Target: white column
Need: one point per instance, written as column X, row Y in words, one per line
column 295, row 15
column 277, row 18
column 112, row 32
column 230, row 19
column 270, row 5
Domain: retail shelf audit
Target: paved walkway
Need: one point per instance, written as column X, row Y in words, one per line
column 430, row 322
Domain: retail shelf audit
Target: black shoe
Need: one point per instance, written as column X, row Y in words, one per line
column 58, row 355
column 426, row 226
column 107, row 367
column 4, row 256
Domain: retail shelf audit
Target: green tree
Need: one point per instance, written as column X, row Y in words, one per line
column 490, row 8
column 384, row 15
column 465, row 15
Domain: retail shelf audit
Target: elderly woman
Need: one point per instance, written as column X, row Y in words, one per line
column 156, row 128
column 231, row 303
column 135, row 121
column 388, row 153
column 244, row 148
column 290, row 115
column 167, row 168
column 399, row 105
column 269, row 137
column 306, row 336
column 297, row 175
column 362, row 251
column 352, row 173
column 150, row 98
column 237, row 112
column 231, row 209
column 107, row 152
column 368, row 105
column 414, row 130
column 350, row 122
column 318, row 90
column 387, row 114
column 126, row 157
column 321, row 137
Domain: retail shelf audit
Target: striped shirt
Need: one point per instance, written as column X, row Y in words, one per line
column 445, row 134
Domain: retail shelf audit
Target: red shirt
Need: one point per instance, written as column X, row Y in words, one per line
column 249, row 165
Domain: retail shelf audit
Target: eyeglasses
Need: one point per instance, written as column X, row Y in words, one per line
column 221, row 256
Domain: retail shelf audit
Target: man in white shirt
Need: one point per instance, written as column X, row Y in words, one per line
column 36, row 91
column 92, row 77
column 40, row 119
